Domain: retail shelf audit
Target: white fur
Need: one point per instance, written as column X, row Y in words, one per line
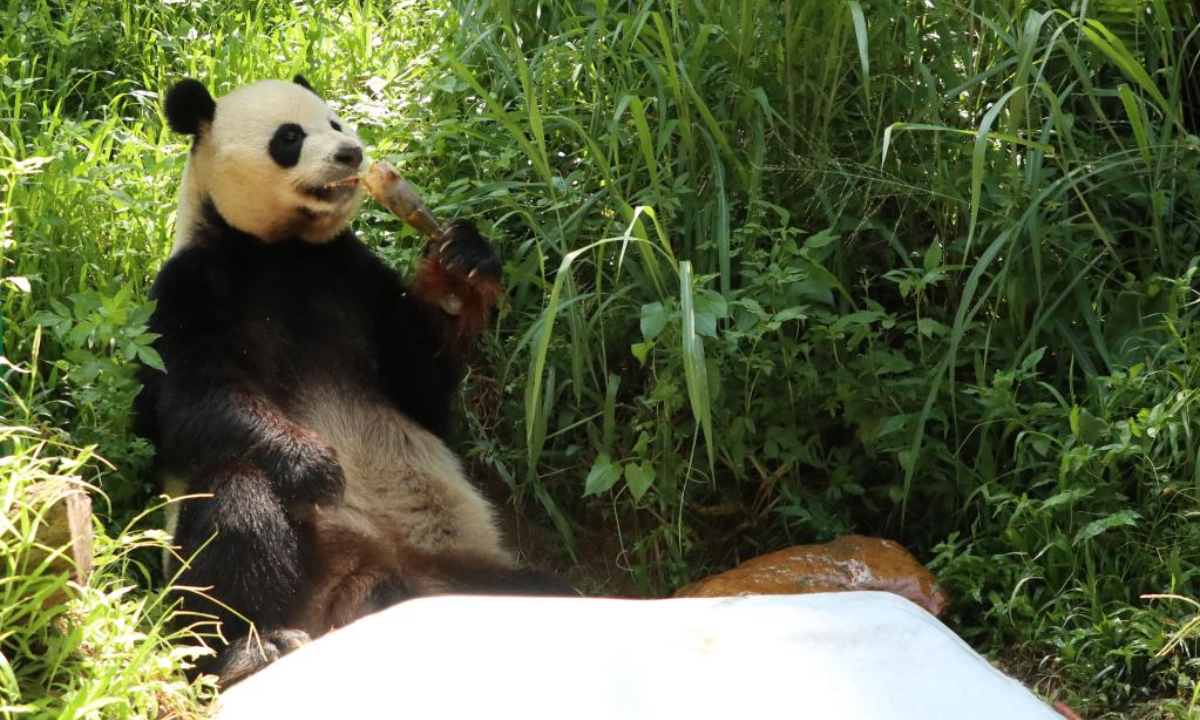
column 231, row 166
column 173, row 487
column 406, row 494
column 400, row 480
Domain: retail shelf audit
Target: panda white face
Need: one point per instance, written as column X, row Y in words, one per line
column 272, row 158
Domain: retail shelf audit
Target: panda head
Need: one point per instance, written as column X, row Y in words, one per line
column 271, row 157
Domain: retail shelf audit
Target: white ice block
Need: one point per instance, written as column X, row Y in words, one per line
column 837, row 656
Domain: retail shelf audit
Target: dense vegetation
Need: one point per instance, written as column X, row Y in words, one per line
column 777, row 270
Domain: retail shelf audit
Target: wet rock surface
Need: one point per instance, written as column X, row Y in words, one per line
column 853, row 562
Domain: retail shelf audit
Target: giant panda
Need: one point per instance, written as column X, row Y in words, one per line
column 307, row 396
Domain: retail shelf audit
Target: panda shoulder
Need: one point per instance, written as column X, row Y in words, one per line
column 368, row 264
column 195, row 278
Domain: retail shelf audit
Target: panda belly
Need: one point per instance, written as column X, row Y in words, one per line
column 409, row 524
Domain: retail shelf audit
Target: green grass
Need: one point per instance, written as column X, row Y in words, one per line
column 776, row 271
column 102, row 649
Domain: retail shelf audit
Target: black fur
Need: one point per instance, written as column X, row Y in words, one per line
column 188, row 106
column 462, row 252
column 256, row 538
column 350, row 155
column 240, row 319
column 286, row 144
column 244, row 326
column 250, row 653
column 304, row 83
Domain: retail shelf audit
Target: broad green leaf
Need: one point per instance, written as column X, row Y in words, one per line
column 641, row 351
column 603, row 475
column 792, row 313
column 1030, row 363
column 1086, row 426
column 639, row 477
column 931, row 328
column 149, row 357
column 654, row 319
column 1097, row 527
column 933, row 256
column 821, row 239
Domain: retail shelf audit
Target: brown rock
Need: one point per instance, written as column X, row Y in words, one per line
column 849, row 563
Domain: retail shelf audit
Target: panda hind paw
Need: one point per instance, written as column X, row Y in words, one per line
column 248, row 655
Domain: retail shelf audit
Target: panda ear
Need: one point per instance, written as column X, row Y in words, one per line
column 304, row 83
column 188, row 105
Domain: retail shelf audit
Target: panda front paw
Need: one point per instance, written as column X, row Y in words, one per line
column 460, row 275
column 305, row 469
column 464, row 252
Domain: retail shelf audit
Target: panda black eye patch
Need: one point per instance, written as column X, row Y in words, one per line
column 286, row 144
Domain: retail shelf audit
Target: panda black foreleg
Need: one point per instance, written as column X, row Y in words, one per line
column 423, row 343
column 243, row 557
column 225, row 420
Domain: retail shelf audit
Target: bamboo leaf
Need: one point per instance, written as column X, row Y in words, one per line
column 860, row 34
column 694, row 367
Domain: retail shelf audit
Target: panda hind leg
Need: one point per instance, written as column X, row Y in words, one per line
column 243, row 552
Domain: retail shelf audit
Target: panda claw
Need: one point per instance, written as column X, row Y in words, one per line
column 466, row 254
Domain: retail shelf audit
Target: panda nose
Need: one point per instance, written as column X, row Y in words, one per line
column 349, row 155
